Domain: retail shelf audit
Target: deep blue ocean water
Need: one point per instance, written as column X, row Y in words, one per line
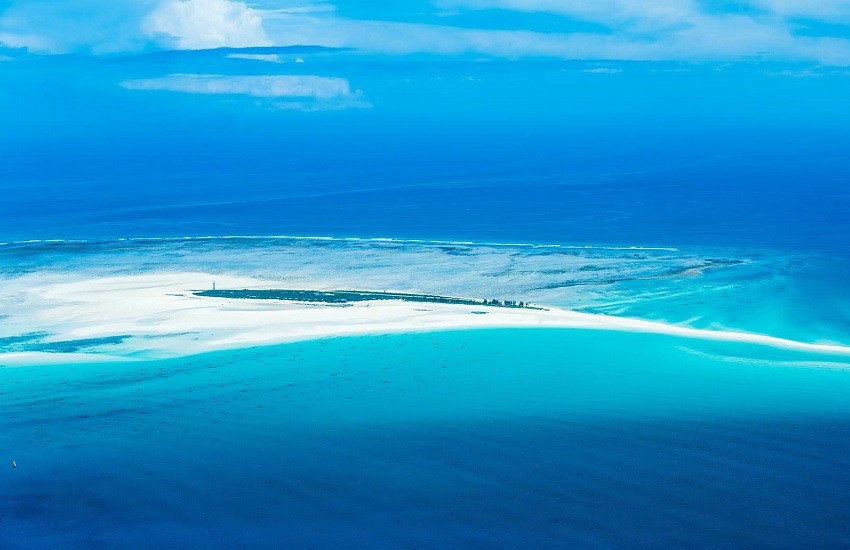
column 505, row 438
column 532, row 438
column 538, row 151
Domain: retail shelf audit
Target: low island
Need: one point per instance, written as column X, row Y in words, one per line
column 348, row 296
column 167, row 314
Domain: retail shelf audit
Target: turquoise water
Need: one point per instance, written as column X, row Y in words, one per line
column 791, row 294
column 509, row 438
column 488, row 438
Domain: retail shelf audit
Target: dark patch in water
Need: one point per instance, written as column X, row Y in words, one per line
column 10, row 343
column 73, row 346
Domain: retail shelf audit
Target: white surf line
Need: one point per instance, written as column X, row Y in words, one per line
column 367, row 240
column 627, row 324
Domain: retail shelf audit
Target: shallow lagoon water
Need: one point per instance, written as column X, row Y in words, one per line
column 485, row 438
column 790, row 294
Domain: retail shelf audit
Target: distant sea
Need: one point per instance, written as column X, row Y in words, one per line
column 485, row 438
column 780, row 206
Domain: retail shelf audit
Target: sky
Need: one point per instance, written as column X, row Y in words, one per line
column 104, row 49
column 816, row 31
column 66, row 60
column 182, row 98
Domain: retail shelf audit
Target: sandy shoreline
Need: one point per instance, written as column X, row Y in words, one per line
column 161, row 318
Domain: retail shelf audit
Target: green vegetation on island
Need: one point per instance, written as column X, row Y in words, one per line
column 348, row 296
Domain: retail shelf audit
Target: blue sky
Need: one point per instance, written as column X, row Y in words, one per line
column 109, row 48
column 816, row 31
column 182, row 98
column 780, row 37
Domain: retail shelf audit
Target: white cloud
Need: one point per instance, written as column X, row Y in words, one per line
column 61, row 26
column 686, row 30
column 705, row 37
column 830, row 10
column 671, row 30
column 652, row 14
column 33, row 42
column 200, row 24
column 602, row 70
column 811, row 72
column 310, row 92
column 268, row 58
column 305, row 8
column 658, row 13
column 256, row 86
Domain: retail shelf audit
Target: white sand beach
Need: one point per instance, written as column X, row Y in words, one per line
column 161, row 317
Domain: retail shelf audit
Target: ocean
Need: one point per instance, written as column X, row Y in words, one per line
column 480, row 438
column 664, row 194
column 485, row 438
